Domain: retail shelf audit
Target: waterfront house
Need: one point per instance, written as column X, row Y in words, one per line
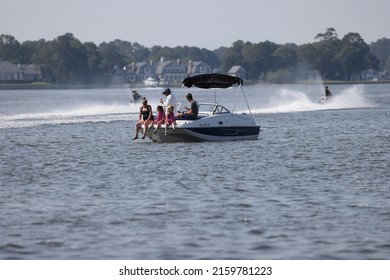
column 238, row 71
column 18, row 72
column 164, row 72
column 171, row 72
column 198, row 68
column 144, row 71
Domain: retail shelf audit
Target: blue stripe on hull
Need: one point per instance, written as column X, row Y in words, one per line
column 227, row 131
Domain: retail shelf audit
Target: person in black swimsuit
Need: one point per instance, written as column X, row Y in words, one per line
column 145, row 118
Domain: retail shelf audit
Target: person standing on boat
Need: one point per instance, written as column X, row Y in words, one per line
column 169, row 101
column 192, row 111
column 145, row 118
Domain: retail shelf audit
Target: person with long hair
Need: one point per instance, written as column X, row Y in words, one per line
column 145, row 118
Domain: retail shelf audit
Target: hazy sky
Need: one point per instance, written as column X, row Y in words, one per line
column 201, row 23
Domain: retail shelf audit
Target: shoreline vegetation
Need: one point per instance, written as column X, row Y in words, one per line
column 66, row 62
column 43, row 86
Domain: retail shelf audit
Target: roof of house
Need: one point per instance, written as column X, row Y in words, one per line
column 236, row 68
column 6, row 66
column 9, row 67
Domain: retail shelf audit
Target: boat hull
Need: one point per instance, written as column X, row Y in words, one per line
column 224, row 127
column 213, row 134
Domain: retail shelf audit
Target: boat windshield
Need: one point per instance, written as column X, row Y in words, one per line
column 212, row 109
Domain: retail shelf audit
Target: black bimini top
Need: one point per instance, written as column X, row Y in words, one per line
column 212, row 81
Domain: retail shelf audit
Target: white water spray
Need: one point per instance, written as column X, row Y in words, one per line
column 291, row 100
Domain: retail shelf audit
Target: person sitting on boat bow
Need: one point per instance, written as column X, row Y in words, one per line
column 192, row 111
column 160, row 118
column 170, row 119
column 145, row 118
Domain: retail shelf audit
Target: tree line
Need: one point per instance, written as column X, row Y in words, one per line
column 66, row 59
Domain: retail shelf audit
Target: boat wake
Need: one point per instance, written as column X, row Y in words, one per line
column 84, row 113
column 287, row 100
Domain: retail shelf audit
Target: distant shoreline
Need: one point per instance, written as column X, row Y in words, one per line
column 14, row 86
column 323, row 82
column 355, row 82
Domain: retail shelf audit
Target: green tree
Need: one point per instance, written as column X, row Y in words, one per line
column 286, row 56
column 280, row 76
column 329, row 35
column 232, row 56
column 326, row 50
column 64, row 59
column 196, row 54
column 307, row 54
column 387, row 66
column 139, row 53
column 354, row 56
column 259, row 58
column 9, row 48
column 381, row 49
column 111, row 56
column 28, row 51
column 94, row 70
column 166, row 53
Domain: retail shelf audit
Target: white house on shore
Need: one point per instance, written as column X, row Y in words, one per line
column 237, row 71
column 18, row 72
column 164, row 71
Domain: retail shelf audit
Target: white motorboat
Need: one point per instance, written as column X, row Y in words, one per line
column 214, row 122
column 151, row 82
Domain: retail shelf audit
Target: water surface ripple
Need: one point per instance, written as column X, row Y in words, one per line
column 314, row 186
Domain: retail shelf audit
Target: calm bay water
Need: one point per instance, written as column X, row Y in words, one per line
column 315, row 185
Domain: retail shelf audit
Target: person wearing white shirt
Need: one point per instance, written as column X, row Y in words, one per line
column 170, row 100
